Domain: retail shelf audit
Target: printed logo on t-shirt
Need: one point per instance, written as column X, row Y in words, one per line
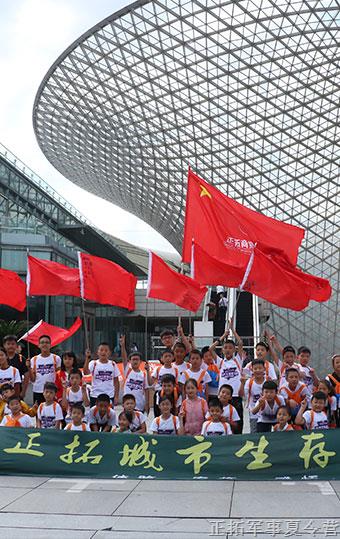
column 134, row 385
column 104, row 376
column 48, row 422
column 229, row 372
column 45, row 369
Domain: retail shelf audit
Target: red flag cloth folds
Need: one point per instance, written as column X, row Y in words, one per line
column 46, row 278
column 267, row 274
column 12, row 290
column 56, row 333
column 228, row 230
column 105, row 282
column 166, row 284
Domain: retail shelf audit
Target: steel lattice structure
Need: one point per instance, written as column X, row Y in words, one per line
column 245, row 91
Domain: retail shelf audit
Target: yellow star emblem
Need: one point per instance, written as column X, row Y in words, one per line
column 204, row 192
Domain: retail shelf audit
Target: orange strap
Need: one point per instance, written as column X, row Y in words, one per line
column 295, row 395
column 251, row 381
column 13, row 422
column 223, row 423
column 336, row 383
column 35, row 363
column 158, row 421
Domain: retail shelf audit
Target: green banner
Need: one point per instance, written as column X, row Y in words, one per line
column 288, row 455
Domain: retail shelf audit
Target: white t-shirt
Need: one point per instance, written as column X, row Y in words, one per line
column 83, row 427
column 45, row 369
column 23, row 419
column 315, row 420
column 165, row 426
column 109, row 418
column 230, row 373
column 202, row 378
column 268, row 414
column 253, row 397
column 282, row 371
column 269, row 373
column 73, row 397
column 11, row 375
column 138, row 420
column 182, row 367
column 49, row 414
column 210, row 428
column 307, row 379
column 160, row 371
column 135, row 384
column 229, row 413
column 103, row 375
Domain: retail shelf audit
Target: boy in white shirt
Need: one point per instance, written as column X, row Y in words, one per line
column 293, row 391
column 216, row 425
column 101, row 417
column 166, row 423
column 167, row 367
column 77, row 419
column 198, row 373
column 231, row 374
column 316, row 418
column 307, row 373
column 9, row 374
column 261, row 352
column 180, row 352
column 136, row 382
column 49, row 414
column 16, row 418
column 138, row 419
column 43, row 368
column 74, row 392
column 105, row 374
column 267, row 406
column 252, row 390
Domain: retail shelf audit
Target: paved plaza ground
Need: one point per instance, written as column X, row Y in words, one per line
column 42, row 507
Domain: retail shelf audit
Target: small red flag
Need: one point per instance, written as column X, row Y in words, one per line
column 105, row 282
column 166, row 284
column 225, row 228
column 12, row 290
column 46, row 278
column 56, row 333
column 211, row 271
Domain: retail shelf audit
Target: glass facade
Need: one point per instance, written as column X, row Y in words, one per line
column 245, row 92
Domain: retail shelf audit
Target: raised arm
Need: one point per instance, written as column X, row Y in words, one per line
column 123, row 352
column 183, row 338
column 238, row 340
column 87, row 361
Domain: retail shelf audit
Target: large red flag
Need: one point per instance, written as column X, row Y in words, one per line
column 56, row 333
column 228, row 230
column 267, row 274
column 46, row 278
column 166, row 284
column 12, row 290
column 105, row 282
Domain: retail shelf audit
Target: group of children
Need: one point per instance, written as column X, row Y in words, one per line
column 194, row 392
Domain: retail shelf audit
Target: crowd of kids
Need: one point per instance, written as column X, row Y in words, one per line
column 192, row 391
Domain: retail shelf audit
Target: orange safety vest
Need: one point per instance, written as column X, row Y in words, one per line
column 158, row 421
column 199, row 381
column 335, row 384
column 13, row 421
column 295, row 395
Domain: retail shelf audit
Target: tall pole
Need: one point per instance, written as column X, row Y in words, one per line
column 28, row 306
column 87, row 341
column 146, row 330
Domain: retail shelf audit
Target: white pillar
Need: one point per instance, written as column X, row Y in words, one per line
column 256, row 320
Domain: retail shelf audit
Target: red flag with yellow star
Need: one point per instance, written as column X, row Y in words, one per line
column 228, row 230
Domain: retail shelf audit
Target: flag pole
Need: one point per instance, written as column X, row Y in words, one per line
column 179, row 322
column 87, row 341
column 28, row 304
column 146, row 330
column 82, row 294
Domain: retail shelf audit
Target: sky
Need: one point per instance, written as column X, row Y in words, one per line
column 33, row 33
